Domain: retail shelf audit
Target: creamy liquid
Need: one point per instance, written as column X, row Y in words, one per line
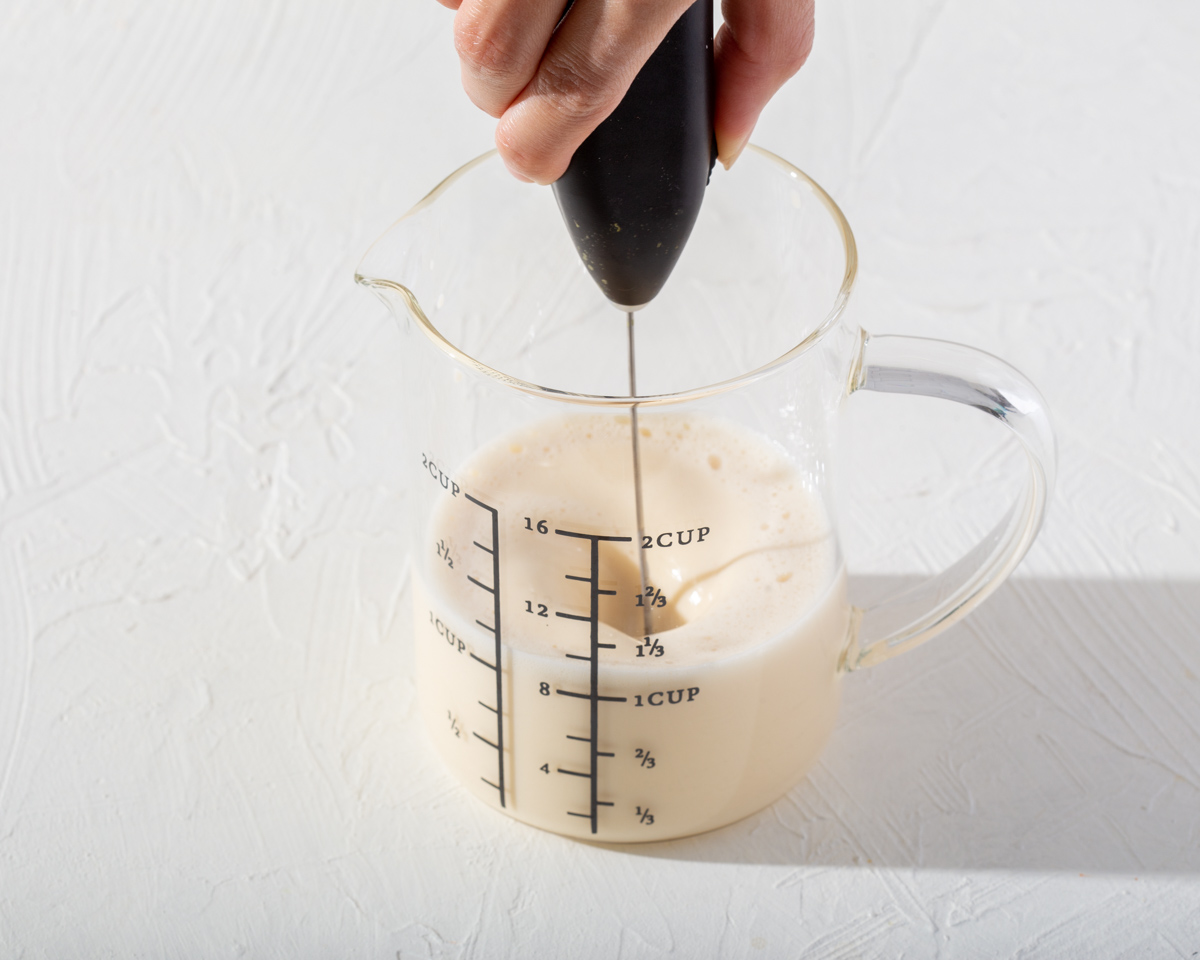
column 717, row 713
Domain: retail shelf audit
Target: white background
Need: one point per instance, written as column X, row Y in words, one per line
column 208, row 742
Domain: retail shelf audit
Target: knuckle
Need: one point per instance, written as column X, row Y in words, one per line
column 792, row 58
column 776, row 46
column 486, row 52
column 580, row 93
column 800, row 42
column 791, row 42
column 528, row 154
column 518, row 157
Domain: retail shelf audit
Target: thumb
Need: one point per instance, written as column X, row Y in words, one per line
column 759, row 47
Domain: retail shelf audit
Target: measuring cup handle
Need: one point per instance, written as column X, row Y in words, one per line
column 952, row 371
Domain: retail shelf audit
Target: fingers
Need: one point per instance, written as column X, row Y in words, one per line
column 589, row 64
column 500, row 44
column 551, row 88
column 760, row 46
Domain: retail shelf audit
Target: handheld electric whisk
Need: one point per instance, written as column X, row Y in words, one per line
column 633, row 190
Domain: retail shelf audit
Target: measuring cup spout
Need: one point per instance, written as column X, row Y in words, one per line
column 413, row 255
column 400, row 262
column 399, row 300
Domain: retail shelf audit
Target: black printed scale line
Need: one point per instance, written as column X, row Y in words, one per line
column 593, row 695
column 494, row 629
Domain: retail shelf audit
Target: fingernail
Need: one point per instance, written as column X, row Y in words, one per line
column 736, row 152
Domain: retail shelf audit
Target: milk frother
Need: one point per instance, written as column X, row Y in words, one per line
column 633, row 189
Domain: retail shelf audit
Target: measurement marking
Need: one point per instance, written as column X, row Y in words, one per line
column 587, row 740
column 481, row 586
column 591, row 696
column 487, row 741
column 589, row 816
column 651, row 648
column 494, row 552
column 575, row 773
column 486, row 706
column 604, row 593
column 593, row 620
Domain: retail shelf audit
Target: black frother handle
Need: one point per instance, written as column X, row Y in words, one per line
column 634, row 187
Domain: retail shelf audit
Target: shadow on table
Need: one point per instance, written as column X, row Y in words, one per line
column 1057, row 728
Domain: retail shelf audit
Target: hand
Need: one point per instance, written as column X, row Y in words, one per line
column 550, row 87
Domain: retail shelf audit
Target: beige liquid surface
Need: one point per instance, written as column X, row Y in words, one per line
column 713, row 716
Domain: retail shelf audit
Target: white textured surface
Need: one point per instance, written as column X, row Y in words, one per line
column 208, row 743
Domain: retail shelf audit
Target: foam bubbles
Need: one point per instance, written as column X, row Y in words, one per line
column 737, row 549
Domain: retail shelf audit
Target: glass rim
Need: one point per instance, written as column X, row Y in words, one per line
column 603, row 400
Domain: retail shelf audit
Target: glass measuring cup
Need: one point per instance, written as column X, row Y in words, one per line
column 539, row 684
